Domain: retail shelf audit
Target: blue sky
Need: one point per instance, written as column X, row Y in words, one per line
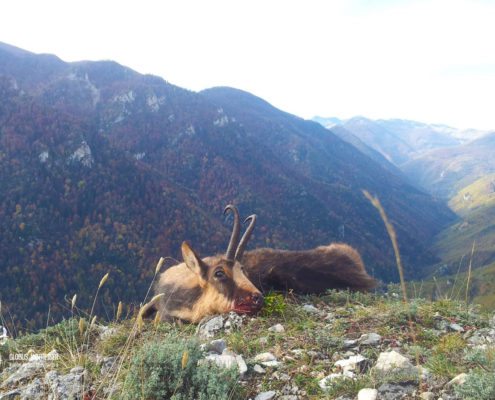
column 431, row 61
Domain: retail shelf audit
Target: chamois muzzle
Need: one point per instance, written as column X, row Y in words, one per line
column 250, row 304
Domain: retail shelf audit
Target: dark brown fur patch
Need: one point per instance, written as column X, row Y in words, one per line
column 177, row 297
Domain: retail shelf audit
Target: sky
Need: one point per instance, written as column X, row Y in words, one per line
column 431, row 61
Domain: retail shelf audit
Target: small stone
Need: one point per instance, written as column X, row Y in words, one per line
column 241, row 365
column 266, row 395
column 368, row 394
column 263, row 357
column 427, row 396
column 222, row 361
column 458, row 380
column 259, row 369
column 280, row 376
column 388, row 361
column 326, row 382
column 455, row 327
column 278, row 328
column 263, row 340
column 350, row 343
column 273, row 363
column 310, row 308
column 208, row 328
column 217, row 346
column 354, row 363
column 288, row 397
column 370, row 339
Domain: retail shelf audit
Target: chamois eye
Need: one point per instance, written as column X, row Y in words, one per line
column 219, row 274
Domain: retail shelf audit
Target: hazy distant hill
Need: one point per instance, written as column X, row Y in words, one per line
column 401, row 140
column 445, row 172
column 104, row 169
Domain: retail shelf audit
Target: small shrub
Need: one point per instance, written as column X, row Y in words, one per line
column 274, row 304
column 480, row 383
column 170, row 370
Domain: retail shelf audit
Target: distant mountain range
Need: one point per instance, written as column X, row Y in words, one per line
column 104, row 169
column 400, row 141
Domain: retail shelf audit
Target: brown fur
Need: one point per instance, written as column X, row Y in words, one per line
column 336, row 266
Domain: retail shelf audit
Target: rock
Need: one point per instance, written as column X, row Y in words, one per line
column 217, row 346
column 106, row 332
column 207, row 328
column 222, row 360
column 65, row 387
column 368, row 394
column 108, row 364
column 392, row 361
column 264, row 357
column 354, row 363
column 311, row 309
column 455, row 327
column 266, row 395
column 458, row 380
column 241, row 364
column 12, row 395
column 370, row 339
column 263, row 340
column 288, row 397
column 427, row 396
column 234, row 321
column 273, row 363
column 326, row 383
column 33, row 391
column 277, row 328
column 389, row 391
column 280, row 376
column 259, row 369
column 23, row 374
column 350, row 343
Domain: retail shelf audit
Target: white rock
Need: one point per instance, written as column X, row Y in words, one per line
column 266, row 395
column 273, row 363
column 310, row 308
column 368, row 394
column 259, row 369
column 427, row 396
column 391, row 360
column 370, row 339
column 351, row 364
column 326, row 382
column 264, row 357
column 458, row 380
column 208, row 328
column 277, row 328
column 241, row 365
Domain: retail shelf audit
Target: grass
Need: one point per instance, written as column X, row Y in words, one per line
column 305, row 335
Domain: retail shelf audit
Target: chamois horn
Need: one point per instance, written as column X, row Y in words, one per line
column 245, row 237
column 236, row 232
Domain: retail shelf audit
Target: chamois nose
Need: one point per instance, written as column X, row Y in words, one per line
column 258, row 299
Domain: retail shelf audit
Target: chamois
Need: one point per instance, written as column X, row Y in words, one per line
column 199, row 287
column 234, row 281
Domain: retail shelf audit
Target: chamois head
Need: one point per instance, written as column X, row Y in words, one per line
column 218, row 284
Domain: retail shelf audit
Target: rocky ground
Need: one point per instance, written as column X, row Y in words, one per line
column 336, row 346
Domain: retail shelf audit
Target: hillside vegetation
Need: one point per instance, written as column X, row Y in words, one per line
column 105, row 170
column 329, row 347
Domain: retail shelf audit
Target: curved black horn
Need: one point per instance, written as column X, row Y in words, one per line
column 236, row 232
column 245, row 237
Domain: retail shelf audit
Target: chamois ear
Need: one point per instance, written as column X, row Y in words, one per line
column 194, row 263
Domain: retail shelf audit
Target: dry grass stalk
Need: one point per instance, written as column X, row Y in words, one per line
column 73, row 303
column 103, row 280
column 185, row 356
column 119, row 311
column 469, row 272
column 393, row 238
